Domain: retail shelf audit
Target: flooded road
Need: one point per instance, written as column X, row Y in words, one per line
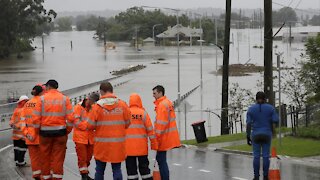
column 87, row 62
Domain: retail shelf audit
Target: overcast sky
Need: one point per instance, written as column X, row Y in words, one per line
column 89, row 5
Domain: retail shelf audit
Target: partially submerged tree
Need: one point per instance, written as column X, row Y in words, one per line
column 18, row 22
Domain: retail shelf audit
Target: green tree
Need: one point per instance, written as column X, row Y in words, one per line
column 20, row 19
column 310, row 72
column 286, row 14
column 64, row 23
column 315, row 20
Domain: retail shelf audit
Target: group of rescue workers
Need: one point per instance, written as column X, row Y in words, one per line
column 104, row 127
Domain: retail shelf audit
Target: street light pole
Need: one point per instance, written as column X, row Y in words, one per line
column 178, row 49
column 153, row 32
column 201, row 78
column 216, row 33
column 279, row 84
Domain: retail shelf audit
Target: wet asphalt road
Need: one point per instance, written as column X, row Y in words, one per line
column 191, row 164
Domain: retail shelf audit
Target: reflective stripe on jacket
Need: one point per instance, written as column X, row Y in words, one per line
column 139, row 130
column 80, row 133
column 54, row 114
column 17, row 122
column 165, row 125
column 30, row 127
column 110, row 118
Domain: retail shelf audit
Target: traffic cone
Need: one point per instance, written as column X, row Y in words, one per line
column 274, row 171
column 156, row 172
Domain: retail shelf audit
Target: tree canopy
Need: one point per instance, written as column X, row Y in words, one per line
column 124, row 25
column 315, row 20
column 19, row 21
column 286, row 14
column 310, row 71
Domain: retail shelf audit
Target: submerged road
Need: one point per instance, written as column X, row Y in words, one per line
column 191, row 164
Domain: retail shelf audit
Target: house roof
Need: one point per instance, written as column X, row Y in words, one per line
column 148, row 39
column 171, row 32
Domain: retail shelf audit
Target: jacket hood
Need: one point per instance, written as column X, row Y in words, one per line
column 108, row 101
column 135, row 101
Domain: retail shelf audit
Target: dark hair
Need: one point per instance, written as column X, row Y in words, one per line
column 106, row 87
column 83, row 104
column 94, row 97
column 159, row 88
column 260, row 97
column 52, row 83
column 36, row 90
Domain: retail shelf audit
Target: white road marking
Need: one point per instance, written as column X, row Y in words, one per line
column 190, row 167
column 2, row 149
column 203, row 170
column 238, row 178
column 176, row 164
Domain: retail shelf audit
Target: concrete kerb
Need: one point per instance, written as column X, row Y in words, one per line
column 214, row 149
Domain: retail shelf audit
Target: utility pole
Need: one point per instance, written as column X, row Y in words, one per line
column 268, row 40
column 225, row 74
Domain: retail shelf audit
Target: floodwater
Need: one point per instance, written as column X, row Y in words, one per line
column 87, row 62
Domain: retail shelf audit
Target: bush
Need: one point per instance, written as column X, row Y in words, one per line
column 309, row 132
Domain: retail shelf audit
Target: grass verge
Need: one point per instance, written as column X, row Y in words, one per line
column 296, row 147
column 217, row 139
column 226, row 138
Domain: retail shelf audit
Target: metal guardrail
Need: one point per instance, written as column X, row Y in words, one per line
column 9, row 107
column 183, row 97
column 6, row 110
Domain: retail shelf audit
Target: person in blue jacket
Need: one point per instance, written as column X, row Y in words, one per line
column 260, row 119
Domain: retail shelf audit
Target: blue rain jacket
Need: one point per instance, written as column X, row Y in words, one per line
column 261, row 117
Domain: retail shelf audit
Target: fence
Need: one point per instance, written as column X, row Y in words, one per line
column 303, row 117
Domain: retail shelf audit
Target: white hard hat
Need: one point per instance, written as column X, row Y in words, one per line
column 22, row 98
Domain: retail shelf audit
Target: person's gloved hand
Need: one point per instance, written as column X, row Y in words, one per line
column 249, row 142
column 28, row 136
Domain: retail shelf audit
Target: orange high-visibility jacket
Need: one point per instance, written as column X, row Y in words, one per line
column 29, row 127
column 165, row 125
column 110, row 118
column 54, row 114
column 139, row 130
column 80, row 133
column 16, row 123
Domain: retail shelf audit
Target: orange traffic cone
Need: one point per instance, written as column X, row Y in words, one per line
column 274, row 171
column 156, row 172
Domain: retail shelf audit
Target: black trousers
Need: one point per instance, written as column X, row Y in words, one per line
column 20, row 148
column 143, row 163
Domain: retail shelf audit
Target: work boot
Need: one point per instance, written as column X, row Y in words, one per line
column 89, row 178
column 265, row 178
column 256, row 178
column 37, row 178
column 21, row 164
